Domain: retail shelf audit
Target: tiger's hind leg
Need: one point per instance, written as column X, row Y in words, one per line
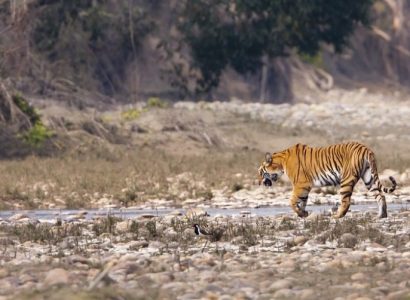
column 346, row 190
column 381, row 200
column 372, row 186
column 381, row 203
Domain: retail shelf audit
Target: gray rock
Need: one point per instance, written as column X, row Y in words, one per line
column 299, row 240
column 307, row 294
column 281, row 284
column 284, row 294
column 56, row 277
column 359, row 277
column 348, row 240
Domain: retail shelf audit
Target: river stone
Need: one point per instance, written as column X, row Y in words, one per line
column 156, row 245
column 375, row 247
column 281, row 284
column 359, row 276
column 284, row 294
column 56, row 276
column 18, row 216
column 307, row 294
column 404, row 294
column 122, row 226
column 299, row 240
column 3, row 273
column 175, row 287
column 348, row 240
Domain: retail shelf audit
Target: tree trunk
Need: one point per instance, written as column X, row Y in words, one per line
column 264, row 78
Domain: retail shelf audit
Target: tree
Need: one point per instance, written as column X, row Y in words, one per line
column 241, row 34
column 91, row 40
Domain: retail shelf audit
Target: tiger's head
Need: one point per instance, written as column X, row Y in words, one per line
column 269, row 171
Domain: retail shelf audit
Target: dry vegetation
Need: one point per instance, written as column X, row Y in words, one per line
column 131, row 177
column 242, row 240
column 174, row 155
column 176, row 233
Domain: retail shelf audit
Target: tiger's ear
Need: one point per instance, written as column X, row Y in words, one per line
column 268, row 158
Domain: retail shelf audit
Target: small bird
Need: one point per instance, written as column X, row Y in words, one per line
column 201, row 231
column 209, row 235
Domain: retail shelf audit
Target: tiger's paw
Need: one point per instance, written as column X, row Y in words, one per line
column 303, row 214
column 339, row 215
column 382, row 216
column 382, row 212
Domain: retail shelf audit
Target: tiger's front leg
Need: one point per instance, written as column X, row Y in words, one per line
column 299, row 200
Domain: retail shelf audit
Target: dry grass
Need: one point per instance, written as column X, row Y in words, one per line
column 363, row 228
column 129, row 176
column 177, row 234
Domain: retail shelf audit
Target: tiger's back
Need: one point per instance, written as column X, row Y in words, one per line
column 327, row 166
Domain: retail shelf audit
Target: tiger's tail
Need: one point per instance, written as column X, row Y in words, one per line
column 376, row 180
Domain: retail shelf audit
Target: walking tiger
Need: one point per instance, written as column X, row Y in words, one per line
column 340, row 164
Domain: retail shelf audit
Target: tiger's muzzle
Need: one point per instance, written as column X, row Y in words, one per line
column 268, row 179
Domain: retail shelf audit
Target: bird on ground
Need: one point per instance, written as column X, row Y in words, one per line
column 201, row 231
column 209, row 235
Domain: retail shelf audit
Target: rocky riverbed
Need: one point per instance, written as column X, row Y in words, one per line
column 148, row 257
column 352, row 115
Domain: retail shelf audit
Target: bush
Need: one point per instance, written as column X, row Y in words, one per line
column 37, row 135
column 156, row 102
column 26, row 108
column 131, row 114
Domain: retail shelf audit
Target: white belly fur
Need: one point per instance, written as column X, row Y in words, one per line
column 329, row 179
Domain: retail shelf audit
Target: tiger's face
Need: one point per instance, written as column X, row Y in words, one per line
column 269, row 172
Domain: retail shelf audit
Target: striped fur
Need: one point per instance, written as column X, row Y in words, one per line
column 336, row 165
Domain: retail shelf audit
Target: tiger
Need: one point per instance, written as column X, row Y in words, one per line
column 335, row 165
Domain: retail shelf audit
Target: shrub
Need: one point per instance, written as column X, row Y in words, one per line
column 37, row 135
column 131, row 114
column 26, row 108
column 156, row 102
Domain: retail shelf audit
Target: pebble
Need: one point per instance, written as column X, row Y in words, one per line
column 307, row 294
column 348, row 240
column 284, row 294
column 122, row 226
column 359, row 277
column 18, row 216
column 375, row 247
column 56, row 276
column 299, row 240
column 3, row 273
column 281, row 284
